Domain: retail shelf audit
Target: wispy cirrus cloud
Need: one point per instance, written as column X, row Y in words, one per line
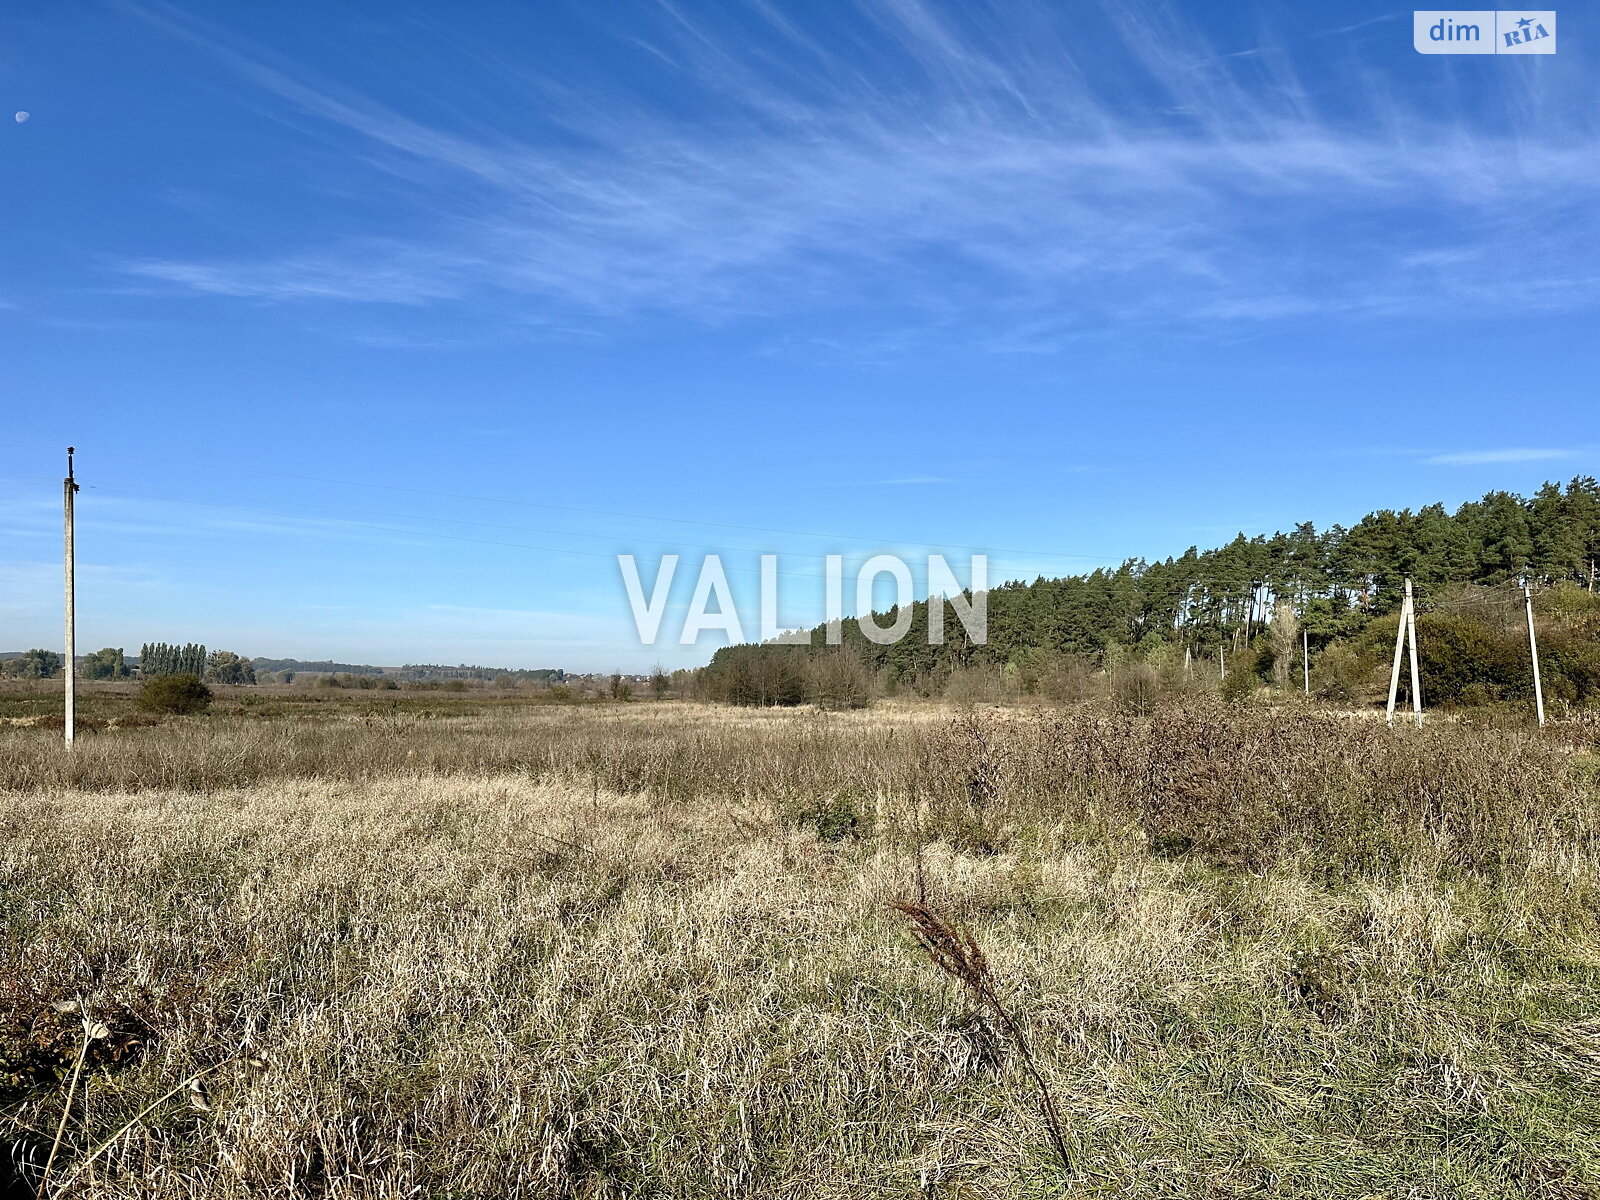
column 1008, row 179
column 1476, row 458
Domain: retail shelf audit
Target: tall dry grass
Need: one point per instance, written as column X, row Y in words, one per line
column 1242, row 787
column 649, row 951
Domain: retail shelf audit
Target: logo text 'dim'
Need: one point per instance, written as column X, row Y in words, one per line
column 1484, row 31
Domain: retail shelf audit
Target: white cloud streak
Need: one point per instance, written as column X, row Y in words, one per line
column 1478, row 458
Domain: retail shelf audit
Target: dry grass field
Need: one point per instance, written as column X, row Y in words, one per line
column 647, row 950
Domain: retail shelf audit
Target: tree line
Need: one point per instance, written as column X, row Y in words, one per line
column 1332, row 583
column 156, row 659
column 162, row 658
column 219, row 666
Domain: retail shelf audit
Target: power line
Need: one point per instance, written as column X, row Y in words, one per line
column 169, row 497
column 415, row 532
column 601, row 512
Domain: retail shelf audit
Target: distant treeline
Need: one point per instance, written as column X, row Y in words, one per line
column 414, row 671
column 1332, row 582
column 29, row 664
column 325, row 666
column 156, row 659
column 224, row 666
column 437, row 671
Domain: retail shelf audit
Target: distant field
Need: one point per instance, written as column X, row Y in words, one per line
column 377, row 946
column 100, row 701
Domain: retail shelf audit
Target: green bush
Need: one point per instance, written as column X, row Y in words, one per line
column 1571, row 664
column 182, row 694
column 1472, row 658
column 1340, row 674
column 1465, row 661
column 834, row 819
column 1244, row 674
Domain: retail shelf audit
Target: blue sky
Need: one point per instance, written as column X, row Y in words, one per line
column 382, row 328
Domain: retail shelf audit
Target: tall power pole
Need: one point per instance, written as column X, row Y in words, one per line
column 69, row 488
column 1411, row 632
column 1406, row 634
column 1533, row 649
column 1305, row 656
column 1399, row 653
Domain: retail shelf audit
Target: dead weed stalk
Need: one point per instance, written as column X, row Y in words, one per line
column 957, row 953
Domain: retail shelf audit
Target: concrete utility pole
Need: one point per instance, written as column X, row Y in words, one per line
column 69, row 488
column 1406, row 634
column 1411, row 632
column 1399, row 649
column 1533, row 649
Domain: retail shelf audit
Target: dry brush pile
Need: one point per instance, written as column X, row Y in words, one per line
column 652, row 952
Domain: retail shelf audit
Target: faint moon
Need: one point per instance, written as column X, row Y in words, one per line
column 22, row 116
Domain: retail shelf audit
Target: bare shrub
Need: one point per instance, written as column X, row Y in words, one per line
column 976, row 685
column 838, row 679
column 1070, row 681
column 1136, row 687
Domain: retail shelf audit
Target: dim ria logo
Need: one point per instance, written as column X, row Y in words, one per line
column 1484, row 31
column 970, row 604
